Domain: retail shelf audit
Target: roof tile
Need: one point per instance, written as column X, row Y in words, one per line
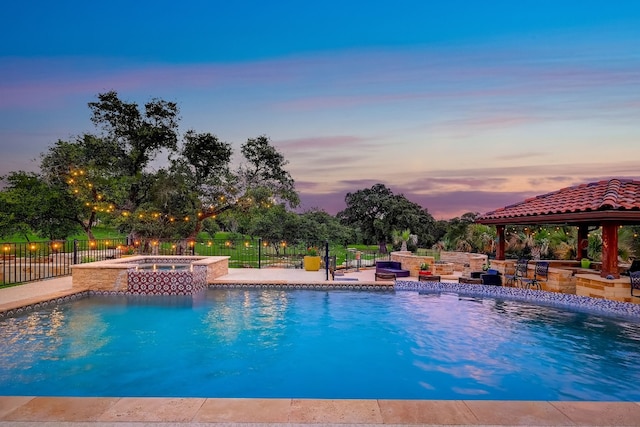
column 616, row 194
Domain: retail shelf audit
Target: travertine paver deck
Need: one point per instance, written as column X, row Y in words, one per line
column 19, row 411
column 120, row 412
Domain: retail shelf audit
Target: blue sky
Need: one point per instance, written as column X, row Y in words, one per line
column 459, row 105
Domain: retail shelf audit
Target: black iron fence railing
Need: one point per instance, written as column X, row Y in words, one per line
column 26, row 262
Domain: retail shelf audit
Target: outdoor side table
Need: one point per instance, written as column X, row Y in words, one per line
column 470, row 281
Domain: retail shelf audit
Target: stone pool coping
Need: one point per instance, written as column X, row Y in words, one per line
column 175, row 412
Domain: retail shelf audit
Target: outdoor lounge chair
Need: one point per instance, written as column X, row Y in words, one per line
column 520, row 271
column 540, row 275
column 635, row 282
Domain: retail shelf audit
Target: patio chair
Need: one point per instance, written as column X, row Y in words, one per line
column 635, row 282
column 520, row 272
column 540, row 275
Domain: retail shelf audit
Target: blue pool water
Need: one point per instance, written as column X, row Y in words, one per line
column 318, row 344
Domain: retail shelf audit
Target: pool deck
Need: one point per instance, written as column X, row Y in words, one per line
column 27, row 411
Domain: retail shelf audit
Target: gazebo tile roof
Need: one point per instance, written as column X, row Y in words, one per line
column 613, row 194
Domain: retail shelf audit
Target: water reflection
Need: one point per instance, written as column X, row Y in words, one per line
column 338, row 344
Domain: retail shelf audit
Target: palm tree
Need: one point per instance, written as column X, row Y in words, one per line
column 404, row 237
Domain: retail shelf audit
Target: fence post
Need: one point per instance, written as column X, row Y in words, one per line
column 326, row 260
column 259, row 252
column 75, row 251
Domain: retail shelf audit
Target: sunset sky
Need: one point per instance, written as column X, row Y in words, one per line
column 459, row 105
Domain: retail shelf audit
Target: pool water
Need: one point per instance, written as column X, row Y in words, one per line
column 319, row 344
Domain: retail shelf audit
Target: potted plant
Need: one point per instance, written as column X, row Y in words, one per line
column 311, row 260
column 425, row 269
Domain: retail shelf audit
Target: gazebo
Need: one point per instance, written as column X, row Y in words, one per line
column 608, row 204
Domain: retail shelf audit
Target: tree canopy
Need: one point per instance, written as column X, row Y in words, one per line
column 109, row 173
column 377, row 212
column 29, row 204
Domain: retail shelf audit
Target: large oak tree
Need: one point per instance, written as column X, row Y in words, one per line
column 377, row 212
column 110, row 173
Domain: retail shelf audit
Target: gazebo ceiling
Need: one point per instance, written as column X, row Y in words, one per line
column 588, row 204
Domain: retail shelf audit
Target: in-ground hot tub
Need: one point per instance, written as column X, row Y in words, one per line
column 150, row 275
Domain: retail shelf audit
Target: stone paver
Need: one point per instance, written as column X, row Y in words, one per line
column 244, row 411
column 432, row 412
column 121, row 412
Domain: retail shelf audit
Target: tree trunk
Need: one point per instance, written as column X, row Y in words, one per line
column 89, row 232
column 204, row 216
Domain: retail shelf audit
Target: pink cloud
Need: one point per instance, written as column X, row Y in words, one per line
column 520, row 156
column 438, row 183
column 326, row 142
column 440, row 205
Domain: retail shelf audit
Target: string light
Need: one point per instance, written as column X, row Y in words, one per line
column 81, row 186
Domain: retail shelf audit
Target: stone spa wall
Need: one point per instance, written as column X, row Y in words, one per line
column 124, row 276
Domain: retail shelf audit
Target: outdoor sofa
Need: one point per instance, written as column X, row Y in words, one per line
column 391, row 267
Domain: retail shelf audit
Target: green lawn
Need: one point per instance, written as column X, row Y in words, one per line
column 100, row 232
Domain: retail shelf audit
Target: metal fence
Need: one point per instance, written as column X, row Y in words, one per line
column 26, row 262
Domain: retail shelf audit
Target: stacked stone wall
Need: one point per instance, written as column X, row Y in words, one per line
column 464, row 261
column 592, row 285
column 217, row 269
column 412, row 262
column 100, row 279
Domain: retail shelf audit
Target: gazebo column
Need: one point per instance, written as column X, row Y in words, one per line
column 583, row 242
column 500, row 248
column 610, row 250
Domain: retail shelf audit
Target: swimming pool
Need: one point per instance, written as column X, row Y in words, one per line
column 319, row 344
